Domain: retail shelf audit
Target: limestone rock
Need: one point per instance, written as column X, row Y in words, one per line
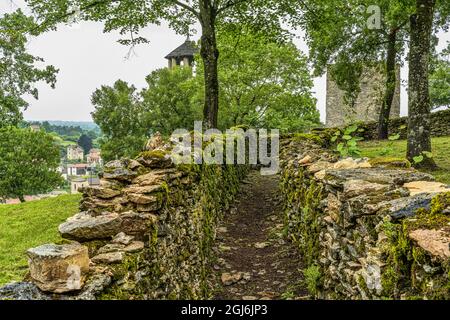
column 111, row 247
column 142, row 199
column 155, row 177
column 334, row 207
column 102, row 192
column 117, row 170
column 83, row 228
column 108, row 258
column 350, row 163
column 137, row 189
column 59, row 268
column 305, row 160
column 155, row 142
column 135, row 246
column 319, row 166
column 417, row 187
column 261, row 245
column 22, row 291
column 137, row 224
column 122, row 238
column 398, row 177
column 353, row 188
column 436, row 242
column 231, row 278
column 406, row 207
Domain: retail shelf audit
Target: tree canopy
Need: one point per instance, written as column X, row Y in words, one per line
column 28, row 162
column 119, row 115
column 131, row 16
column 18, row 71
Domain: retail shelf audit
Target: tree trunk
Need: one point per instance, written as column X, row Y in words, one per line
column 210, row 56
column 22, row 198
column 391, row 80
column 419, row 106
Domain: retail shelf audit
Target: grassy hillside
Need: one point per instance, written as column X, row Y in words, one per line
column 441, row 153
column 27, row 225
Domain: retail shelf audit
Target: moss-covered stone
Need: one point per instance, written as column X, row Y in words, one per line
column 389, row 163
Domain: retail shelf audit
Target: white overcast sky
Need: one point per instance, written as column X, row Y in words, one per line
column 88, row 58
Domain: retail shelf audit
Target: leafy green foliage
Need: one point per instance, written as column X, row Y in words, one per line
column 28, row 162
column 389, row 147
column 18, row 71
column 440, row 80
column 347, row 141
column 119, row 115
column 85, row 142
column 129, row 17
column 264, row 82
column 171, row 100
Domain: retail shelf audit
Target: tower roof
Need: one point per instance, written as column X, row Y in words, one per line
column 187, row 49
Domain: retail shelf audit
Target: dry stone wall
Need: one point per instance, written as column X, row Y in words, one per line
column 366, row 229
column 439, row 126
column 145, row 233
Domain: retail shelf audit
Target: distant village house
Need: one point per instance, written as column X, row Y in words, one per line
column 77, row 169
column 77, row 184
column 75, row 152
column 94, row 158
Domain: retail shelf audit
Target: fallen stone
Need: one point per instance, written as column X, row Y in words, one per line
column 261, row 245
column 436, row 242
column 417, row 187
column 109, row 258
column 83, row 227
column 231, row 278
column 59, row 268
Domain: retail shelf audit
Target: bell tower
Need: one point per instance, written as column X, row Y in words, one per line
column 183, row 55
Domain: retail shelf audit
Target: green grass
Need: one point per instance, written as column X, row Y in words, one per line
column 441, row 153
column 27, row 225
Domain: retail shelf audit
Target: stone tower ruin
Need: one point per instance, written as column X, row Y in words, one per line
column 368, row 102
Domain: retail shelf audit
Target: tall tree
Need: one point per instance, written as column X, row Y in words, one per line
column 18, row 71
column 354, row 35
column 130, row 16
column 419, row 104
column 118, row 113
column 168, row 102
column 28, row 163
column 85, row 142
column 264, row 82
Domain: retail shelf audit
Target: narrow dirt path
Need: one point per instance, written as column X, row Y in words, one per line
column 254, row 261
